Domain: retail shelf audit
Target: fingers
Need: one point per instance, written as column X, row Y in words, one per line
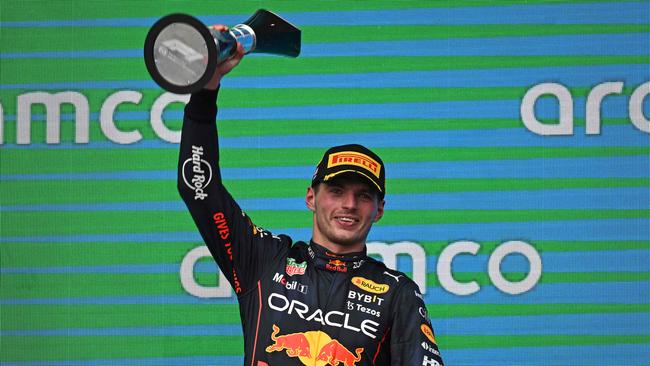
column 219, row 27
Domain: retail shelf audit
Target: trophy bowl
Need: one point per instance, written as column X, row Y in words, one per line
column 182, row 54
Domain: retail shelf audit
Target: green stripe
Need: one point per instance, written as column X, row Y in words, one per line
column 102, row 347
column 117, row 222
column 18, row 71
column 63, row 10
column 493, row 341
column 32, row 317
column 85, row 38
column 104, row 191
column 73, row 348
column 26, row 255
column 43, row 161
column 474, row 310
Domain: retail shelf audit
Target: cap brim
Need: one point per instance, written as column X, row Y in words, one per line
column 359, row 174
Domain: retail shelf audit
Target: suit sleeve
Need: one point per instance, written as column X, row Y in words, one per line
column 234, row 241
column 412, row 339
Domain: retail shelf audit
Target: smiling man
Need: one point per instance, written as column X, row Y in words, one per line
column 322, row 302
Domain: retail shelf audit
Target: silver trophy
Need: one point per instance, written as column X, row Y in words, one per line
column 181, row 53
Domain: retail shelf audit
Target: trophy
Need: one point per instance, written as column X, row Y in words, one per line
column 181, row 53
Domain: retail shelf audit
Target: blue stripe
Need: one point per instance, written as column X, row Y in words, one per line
column 613, row 107
column 557, row 293
column 545, row 199
column 574, row 324
column 583, row 44
column 576, row 76
column 571, row 230
column 603, row 167
column 553, row 262
column 589, row 13
column 565, row 293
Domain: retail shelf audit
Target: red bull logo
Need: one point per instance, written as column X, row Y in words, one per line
column 313, row 348
column 296, row 344
column 336, row 265
column 334, row 353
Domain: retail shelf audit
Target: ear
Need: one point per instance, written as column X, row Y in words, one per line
column 310, row 198
column 380, row 210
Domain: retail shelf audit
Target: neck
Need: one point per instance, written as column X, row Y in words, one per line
column 337, row 248
column 337, row 262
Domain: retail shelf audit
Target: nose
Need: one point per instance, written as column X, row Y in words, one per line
column 349, row 200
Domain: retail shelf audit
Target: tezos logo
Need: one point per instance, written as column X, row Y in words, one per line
column 199, row 171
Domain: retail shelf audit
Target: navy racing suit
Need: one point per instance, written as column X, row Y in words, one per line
column 299, row 303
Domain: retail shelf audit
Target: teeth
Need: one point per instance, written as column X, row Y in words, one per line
column 346, row 219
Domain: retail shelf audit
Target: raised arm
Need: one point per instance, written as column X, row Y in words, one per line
column 234, row 241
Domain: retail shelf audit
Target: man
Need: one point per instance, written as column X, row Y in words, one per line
column 319, row 303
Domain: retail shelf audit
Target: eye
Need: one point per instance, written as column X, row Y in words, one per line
column 365, row 196
column 336, row 190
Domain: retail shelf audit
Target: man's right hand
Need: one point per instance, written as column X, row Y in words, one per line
column 226, row 66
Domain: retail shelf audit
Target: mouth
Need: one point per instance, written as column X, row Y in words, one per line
column 346, row 221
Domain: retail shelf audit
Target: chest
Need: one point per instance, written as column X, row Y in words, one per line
column 328, row 313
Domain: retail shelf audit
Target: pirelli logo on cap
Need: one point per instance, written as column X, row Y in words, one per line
column 354, row 158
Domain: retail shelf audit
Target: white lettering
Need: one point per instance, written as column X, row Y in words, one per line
column 189, row 283
column 300, row 308
column 494, row 271
column 278, row 277
column 594, row 101
column 347, row 325
column 157, row 122
column 317, row 316
column 52, row 104
column 367, row 327
column 563, row 95
column 533, row 276
column 445, row 260
column 426, row 361
column 330, row 322
column 275, row 307
column 635, row 109
column 107, row 123
column 390, row 252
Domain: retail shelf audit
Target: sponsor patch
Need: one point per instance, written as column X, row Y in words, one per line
column 370, row 286
column 294, row 268
column 428, row 332
column 336, row 265
column 313, row 348
column 197, row 173
column 354, row 158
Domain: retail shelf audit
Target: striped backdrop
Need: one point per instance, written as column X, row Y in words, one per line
column 93, row 234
